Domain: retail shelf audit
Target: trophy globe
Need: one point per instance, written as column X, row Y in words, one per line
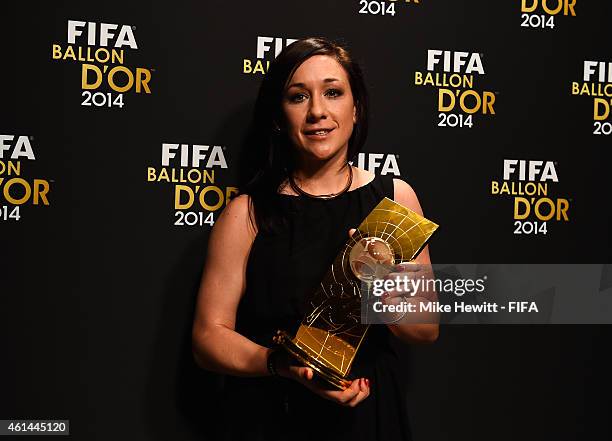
column 369, row 257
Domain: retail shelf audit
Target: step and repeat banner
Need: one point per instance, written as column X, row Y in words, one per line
column 121, row 135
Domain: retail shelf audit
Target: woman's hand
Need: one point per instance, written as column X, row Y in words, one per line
column 414, row 327
column 355, row 393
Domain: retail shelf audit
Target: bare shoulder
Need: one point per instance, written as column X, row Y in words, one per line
column 361, row 177
column 237, row 206
column 404, row 194
column 234, row 221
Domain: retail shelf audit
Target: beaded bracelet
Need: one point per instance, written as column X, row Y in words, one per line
column 271, row 359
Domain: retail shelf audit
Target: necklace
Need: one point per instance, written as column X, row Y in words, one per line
column 322, row 196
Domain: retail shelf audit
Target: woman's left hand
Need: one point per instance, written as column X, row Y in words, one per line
column 355, row 392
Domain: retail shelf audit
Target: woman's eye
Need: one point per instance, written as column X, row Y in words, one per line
column 299, row 97
column 296, row 98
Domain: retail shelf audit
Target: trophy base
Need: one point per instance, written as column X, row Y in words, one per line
column 333, row 378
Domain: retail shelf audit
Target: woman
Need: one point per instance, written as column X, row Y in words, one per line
column 274, row 242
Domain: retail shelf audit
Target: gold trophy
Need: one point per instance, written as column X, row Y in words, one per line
column 332, row 331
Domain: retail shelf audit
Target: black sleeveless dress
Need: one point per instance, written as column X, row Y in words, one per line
column 282, row 270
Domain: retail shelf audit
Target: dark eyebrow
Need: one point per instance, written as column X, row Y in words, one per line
column 326, row 80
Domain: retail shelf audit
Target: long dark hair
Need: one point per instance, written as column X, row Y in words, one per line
column 268, row 151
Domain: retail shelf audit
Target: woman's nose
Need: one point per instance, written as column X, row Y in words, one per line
column 317, row 108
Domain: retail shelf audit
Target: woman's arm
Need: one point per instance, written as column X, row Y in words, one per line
column 422, row 332
column 216, row 345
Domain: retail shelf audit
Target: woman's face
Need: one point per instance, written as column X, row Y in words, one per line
column 319, row 97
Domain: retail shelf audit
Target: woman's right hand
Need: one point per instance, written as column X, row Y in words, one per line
column 355, row 393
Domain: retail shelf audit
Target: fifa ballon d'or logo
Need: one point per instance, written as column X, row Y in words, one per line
column 531, row 184
column 17, row 189
column 540, row 14
column 597, row 84
column 101, row 50
column 453, row 73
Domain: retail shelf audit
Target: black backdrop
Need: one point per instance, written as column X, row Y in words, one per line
column 98, row 286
